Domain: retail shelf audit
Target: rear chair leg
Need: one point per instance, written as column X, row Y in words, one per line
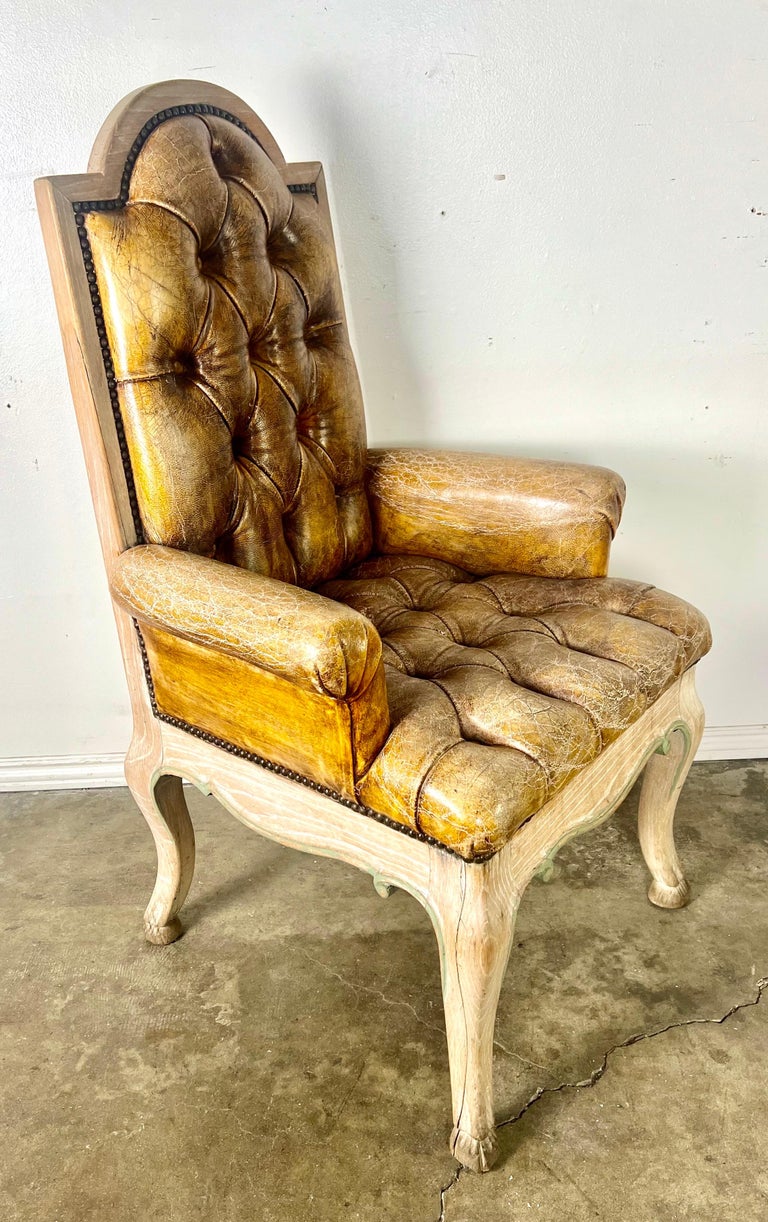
column 664, row 776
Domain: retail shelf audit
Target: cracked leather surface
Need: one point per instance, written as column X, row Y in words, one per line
column 302, row 636
column 501, row 688
column 237, row 384
column 489, row 513
column 244, row 423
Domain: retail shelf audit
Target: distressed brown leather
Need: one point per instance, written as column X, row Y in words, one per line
column 302, row 636
column 237, row 384
column 457, row 653
column 272, row 668
column 324, row 738
column 502, row 688
column 489, row 513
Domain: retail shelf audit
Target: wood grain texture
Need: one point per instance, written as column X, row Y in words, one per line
column 597, row 791
column 472, row 906
column 664, row 778
column 473, row 910
column 126, row 119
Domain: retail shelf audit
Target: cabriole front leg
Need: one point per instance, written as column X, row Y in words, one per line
column 163, row 805
column 474, row 919
column 665, row 774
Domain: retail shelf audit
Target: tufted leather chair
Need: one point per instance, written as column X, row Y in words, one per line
column 413, row 660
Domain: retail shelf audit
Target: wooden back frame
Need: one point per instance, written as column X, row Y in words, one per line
column 472, row 905
column 57, row 199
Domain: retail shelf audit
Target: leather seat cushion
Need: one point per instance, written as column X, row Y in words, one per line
column 502, row 688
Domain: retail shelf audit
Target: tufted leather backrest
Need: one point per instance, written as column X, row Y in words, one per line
column 236, row 383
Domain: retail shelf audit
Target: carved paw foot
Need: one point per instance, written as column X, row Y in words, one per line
column 163, row 935
column 473, row 1152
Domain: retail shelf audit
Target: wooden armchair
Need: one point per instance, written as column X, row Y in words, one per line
column 413, row 661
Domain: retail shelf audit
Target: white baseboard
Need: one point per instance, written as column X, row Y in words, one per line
column 728, row 743
column 103, row 771
column 106, row 771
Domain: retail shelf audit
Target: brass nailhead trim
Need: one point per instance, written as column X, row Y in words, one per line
column 271, row 766
column 109, row 369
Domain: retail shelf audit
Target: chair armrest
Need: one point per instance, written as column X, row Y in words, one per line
column 491, row 514
column 316, row 643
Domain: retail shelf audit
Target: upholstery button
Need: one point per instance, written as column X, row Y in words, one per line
column 185, row 363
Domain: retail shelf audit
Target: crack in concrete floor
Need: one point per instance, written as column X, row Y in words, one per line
column 599, row 1072
column 358, row 988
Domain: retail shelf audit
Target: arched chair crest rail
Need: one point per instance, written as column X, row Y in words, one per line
column 413, row 661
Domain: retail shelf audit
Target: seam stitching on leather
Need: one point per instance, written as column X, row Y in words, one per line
column 246, row 458
column 265, row 369
column 446, row 625
column 480, row 584
column 530, row 685
column 387, row 641
column 203, row 388
column 560, row 699
column 423, row 782
column 291, row 504
column 537, row 619
column 217, row 280
column 206, row 314
column 227, row 211
column 282, row 268
column 411, row 603
column 155, row 203
column 248, row 191
column 318, row 450
column 483, row 743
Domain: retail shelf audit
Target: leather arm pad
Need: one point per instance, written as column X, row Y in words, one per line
column 488, row 514
column 310, row 640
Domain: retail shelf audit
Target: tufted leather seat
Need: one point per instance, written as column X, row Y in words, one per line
column 501, row 689
column 241, row 408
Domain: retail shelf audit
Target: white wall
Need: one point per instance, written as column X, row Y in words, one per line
column 550, row 223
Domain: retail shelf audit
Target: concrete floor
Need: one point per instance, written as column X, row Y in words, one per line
column 286, row 1059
